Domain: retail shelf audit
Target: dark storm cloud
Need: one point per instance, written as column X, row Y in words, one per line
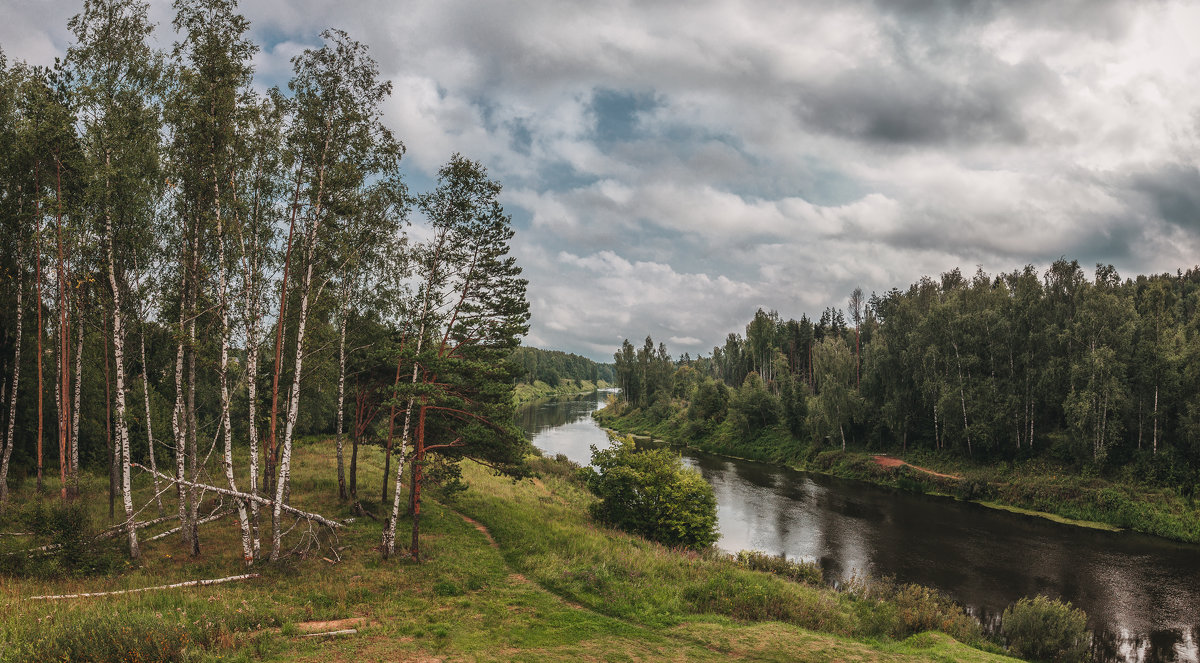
column 914, row 104
column 1106, row 19
column 1173, row 193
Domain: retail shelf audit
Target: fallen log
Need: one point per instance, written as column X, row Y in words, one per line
column 245, row 496
column 189, row 583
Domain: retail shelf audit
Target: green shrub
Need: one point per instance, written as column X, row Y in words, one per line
column 898, row 610
column 1043, row 629
column 560, row 466
column 756, row 560
column 651, row 494
column 75, row 548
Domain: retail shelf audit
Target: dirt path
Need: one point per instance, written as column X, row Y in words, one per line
column 889, row 461
column 482, row 528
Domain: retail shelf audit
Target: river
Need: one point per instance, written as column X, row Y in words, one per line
column 1141, row 593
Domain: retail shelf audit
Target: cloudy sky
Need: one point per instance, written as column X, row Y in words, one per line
column 673, row 166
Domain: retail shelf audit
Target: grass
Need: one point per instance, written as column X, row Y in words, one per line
column 1091, row 524
column 555, row 588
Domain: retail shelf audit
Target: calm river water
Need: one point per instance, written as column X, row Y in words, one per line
column 1142, row 594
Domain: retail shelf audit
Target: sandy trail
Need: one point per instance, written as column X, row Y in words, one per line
column 889, row 461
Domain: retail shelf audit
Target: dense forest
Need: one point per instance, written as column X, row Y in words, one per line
column 194, row 267
column 1099, row 374
column 553, row 366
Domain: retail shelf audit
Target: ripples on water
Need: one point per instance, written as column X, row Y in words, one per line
column 1142, row 594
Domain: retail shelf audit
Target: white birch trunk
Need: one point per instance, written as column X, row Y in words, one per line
column 78, row 395
column 341, row 415
column 389, row 532
column 9, row 440
column 119, row 360
column 149, row 427
column 285, row 459
column 223, row 376
column 178, row 425
column 252, row 395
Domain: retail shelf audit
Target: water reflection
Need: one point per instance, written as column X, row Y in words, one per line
column 1142, row 594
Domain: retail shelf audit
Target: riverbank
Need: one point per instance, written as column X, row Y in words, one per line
column 528, row 577
column 1035, row 487
column 527, row 393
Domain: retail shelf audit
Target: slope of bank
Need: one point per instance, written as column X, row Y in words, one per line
column 527, row 393
column 552, row 587
column 1036, row 487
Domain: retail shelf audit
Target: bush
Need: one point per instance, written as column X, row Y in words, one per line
column 651, row 494
column 899, row 610
column 77, row 548
column 756, row 560
column 1043, row 629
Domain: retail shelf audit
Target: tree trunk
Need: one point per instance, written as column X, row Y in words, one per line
column 37, row 256
column 64, row 349
column 78, row 395
column 963, row 397
column 192, row 419
column 341, row 411
column 223, row 375
column 178, row 425
column 9, row 439
column 1155, row 438
column 285, row 459
column 119, row 360
column 269, row 450
column 252, row 394
column 418, row 462
column 112, row 456
column 387, row 462
column 389, row 532
column 149, row 426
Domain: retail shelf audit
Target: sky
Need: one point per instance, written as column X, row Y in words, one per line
column 671, row 167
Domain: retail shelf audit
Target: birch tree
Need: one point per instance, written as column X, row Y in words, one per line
column 117, row 74
column 214, row 74
column 334, row 136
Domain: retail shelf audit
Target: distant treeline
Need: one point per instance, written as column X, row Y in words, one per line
column 552, row 366
column 1102, row 373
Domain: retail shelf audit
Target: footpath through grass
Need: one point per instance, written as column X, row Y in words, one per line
column 556, row 588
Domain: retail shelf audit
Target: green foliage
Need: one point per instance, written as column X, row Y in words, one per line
column 650, row 493
column 550, row 366
column 752, row 407
column 75, row 548
column 780, row 565
column 898, row 610
column 710, row 401
column 1044, row 629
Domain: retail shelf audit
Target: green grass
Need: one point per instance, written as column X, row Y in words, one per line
column 1050, row 516
column 557, row 588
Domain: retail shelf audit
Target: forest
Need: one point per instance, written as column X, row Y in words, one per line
column 1097, row 374
column 552, row 366
column 197, row 273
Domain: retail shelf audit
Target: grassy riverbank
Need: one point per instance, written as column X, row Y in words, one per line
column 527, row 393
column 1036, row 486
column 553, row 587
